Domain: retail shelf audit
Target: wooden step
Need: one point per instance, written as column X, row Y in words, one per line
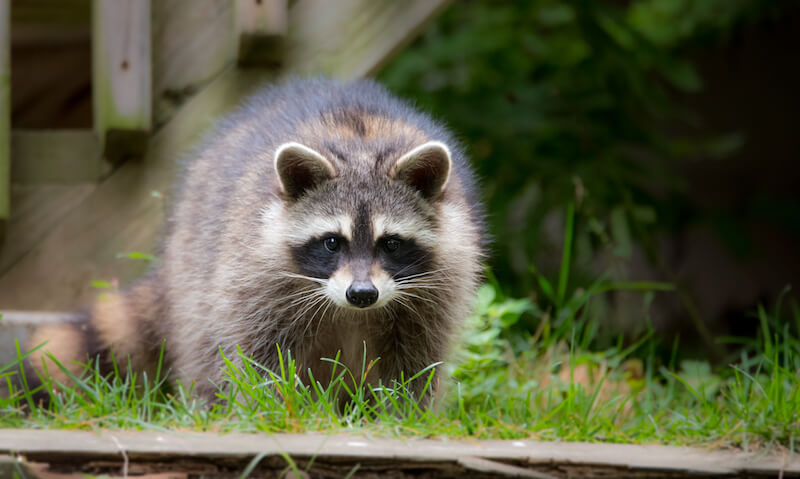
column 18, row 325
column 173, row 454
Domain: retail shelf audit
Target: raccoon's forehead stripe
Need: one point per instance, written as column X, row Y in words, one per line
column 316, row 226
column 405, row 227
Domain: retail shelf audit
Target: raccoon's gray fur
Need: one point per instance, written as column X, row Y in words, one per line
column 321, row 217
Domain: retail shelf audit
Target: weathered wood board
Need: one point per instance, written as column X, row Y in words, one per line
column 261, row 26
column 123, row 214
column 56, row 157
column 356, row 38
column 193, row 41
column 126, row 211
column 17, row 326
column 121, row 79
column 211, row 455
column 38, row 209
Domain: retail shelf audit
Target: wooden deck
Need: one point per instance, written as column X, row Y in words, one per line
column 73, row 213
column 64, row 454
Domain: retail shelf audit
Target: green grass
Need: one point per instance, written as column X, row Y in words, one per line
column 548, row 385
column 523, row 369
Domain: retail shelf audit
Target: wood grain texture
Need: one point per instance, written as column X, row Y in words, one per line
column 55, row 157
column 260, row 29
column 354, row 39
column 193, row 41
column 38, row 209
column 121, row 75
column 441, row 457
column 123, row 215
column 262, row 17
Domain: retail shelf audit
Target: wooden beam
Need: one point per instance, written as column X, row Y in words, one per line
column 17, row 326
column 332, row 455
column 193, row 41
column 261, row 27
column 5, row 116
column 124, row 215
column 356, row 37
column 121, row 78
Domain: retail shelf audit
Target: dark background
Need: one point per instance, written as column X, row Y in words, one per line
column 668, row 124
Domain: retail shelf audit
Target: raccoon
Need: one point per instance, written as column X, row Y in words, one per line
column 323, row 217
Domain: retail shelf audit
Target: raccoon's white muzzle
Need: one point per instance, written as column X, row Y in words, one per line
column 347, row 292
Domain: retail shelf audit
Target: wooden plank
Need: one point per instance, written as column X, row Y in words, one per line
column 5, row 116
column 354, row 39
column 37, row 211
column 122, row 215
column 56, row 157
column 74, row 449
column 261, row 26
column 193, row 41
column 121, row 80
column 18, row 326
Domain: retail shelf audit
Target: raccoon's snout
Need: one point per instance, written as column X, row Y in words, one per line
column 362, row 294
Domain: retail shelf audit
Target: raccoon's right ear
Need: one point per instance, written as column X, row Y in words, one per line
column 426, row 168
column 300, row 168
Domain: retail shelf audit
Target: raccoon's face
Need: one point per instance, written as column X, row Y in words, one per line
column 364, row 232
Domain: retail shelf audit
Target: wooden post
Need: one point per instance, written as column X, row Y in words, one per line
column 261, row 26
column 121, row 66
column 5, row 115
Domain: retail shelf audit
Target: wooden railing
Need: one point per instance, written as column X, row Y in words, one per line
column 76, row 212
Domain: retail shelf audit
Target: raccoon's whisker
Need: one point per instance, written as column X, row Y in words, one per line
column 412, row 265
column 308, row 308
column 308, row 296
column 418, row 275
column 309, row 305
column 421, row 280
column 427, row 287
column 302, row 276
column 408, row 307
column 304, row 290
column 427, row 275
column 431, row 285
column 412, row 295
column 322, row 317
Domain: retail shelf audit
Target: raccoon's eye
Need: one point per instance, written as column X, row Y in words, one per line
column 332, row 244
column 391, row 244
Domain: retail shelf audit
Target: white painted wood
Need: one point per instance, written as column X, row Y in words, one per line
column 121, row 69
column 262, row 17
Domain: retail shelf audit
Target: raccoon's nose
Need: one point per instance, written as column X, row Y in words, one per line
column 362, row 294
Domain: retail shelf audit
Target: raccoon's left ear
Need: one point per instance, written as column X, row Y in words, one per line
column 426, row 168
column 300, row 168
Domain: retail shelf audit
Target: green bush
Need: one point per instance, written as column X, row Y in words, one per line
column 570, row 101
